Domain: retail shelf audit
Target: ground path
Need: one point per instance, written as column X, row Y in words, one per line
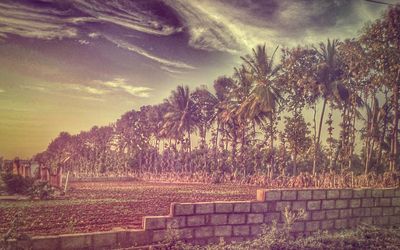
column 100, row 206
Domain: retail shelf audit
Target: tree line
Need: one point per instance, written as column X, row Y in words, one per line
column 252, row 122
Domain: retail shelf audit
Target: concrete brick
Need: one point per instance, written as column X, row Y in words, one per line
column 289, row 195
column 298, row 205
column 367, row 202
column 203, row 232
column 313, row 205
column 327, row 224
column 377, row 193
column 183, row 208
column 304, row 195
column 218, row 219
column 319, row 194
column 223, row 231
column 385, row 202
column 185, row 233
column 397, row 192
column 204, row 208
column 389, row 192
column 332, row 194
column 358, row 193
column 368, row 193
column 223, row 207
column 43, row 242
column 358, row 212
column 318, row 215
column 273, row 195
column 367, row 211
column 381, row 220
column 307, row 216
column 376, row 211
column 259, row 207
column 242, row 207
column 159, row 236
column 366, row 220
column 176, row 222
column 154, row 222
column 236, row 218
column 312, row 226
column 255, row 229
column 353, row 222
column 332, row 214
column 346, row 193
column 269, row 217
column 138, row 237
column 340, row 224
column 255, row 218
column 298, row 226
column 104, row 239
column 345, row 213
column 397, row 210
column 241, row 230
column 341, row 203
column 281, row 205
column 328, row 204
column 261, row 195
column 195, row 220
column 396, row 202
column 387, row 211
column 355, row 203
column 72, row 241
column 394, row 220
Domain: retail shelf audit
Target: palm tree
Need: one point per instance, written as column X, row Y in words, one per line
column 181, row 117
column 264, row 96
column 328, row 80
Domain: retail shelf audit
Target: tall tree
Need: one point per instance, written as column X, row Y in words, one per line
column 264, row 95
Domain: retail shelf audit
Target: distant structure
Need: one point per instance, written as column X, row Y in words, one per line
column 32, row 169
column 22, row 168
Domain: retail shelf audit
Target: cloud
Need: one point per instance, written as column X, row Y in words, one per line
column 83, row 42
column 32, row 22
column 121, row 84
column 128, row 14
column 233, row 26
column 239, row 25
column 148, row 55
column 2, row 91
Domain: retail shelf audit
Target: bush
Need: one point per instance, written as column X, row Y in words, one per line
column 16, row 184
column 41, row 190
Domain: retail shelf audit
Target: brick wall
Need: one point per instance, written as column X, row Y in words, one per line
column 201, row 223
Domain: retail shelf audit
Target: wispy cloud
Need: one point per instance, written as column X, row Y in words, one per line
column 128, row 14
column 142, row 52
column 121, row 84
column 238, row 26
column 27, row 21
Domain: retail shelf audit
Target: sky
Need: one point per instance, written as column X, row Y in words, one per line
column 67, row 65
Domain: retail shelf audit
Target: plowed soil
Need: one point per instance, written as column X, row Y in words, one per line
column 101, row 206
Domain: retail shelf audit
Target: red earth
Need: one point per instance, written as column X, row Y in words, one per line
column 101, row 206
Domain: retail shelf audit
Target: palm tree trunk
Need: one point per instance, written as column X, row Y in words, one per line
column 382, row 138
column 317, row 145
column 395, row 121
column 272, row 144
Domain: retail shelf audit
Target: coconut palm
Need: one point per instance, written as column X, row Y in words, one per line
column 264, row 96
column 181, row 117
column 329, row 78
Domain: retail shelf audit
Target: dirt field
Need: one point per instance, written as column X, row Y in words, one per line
column 101, row 206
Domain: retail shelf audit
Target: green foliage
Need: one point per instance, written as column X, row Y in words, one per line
column 16, row 184
column 41, row 190
column 275, row 237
